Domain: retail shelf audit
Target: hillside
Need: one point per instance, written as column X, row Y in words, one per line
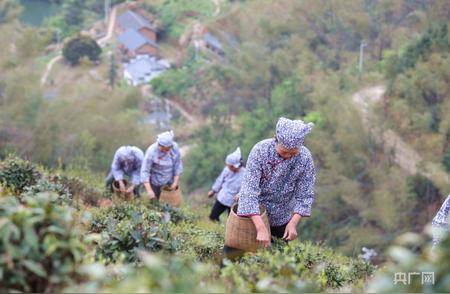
column 381, row 141
column 54, row 239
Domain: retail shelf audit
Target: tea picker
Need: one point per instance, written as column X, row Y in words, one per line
column 280, row 177
column 126, row 162
column 161, row 166
column 227, row 185
column 441, row 222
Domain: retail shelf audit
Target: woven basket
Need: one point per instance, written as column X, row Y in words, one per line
column 240, row 232
column 172, row 197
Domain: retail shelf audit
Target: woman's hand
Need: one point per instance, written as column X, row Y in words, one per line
column 262, row 234
column 151, row 194
column 174, row 186
column 236, row 198
column 290, row 233
column 211, row 194
column 122, row 187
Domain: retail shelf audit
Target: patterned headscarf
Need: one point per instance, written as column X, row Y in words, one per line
column 291, row 133
column 165, row 139
column 234, row 158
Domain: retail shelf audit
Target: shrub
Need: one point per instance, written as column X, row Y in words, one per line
column 423, row 189
column 40, row 247
column 78, row 189
column 412, row 254
column 446, row 160
column 157, row 274
column 43, row 185
column 81, row 46
column 128, row 228
column 295, row 267
column 16, row 174
column 202, row 244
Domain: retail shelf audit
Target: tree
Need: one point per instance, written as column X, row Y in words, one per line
column 73, row 13
column 9, row 10
column 80, row 46
column 112, row 74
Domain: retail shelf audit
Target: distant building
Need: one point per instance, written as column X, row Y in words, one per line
column 134, row 43
column 213, row 44
column 135, row 21
column 143, row 68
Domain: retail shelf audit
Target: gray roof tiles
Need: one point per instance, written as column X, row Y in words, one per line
column 134, row 40
column 132, row 20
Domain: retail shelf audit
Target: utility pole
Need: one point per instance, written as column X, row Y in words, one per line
column 361, row 55
column 107, row 10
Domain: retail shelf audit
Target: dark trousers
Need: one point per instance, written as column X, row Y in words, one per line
column 110, row 180
column 217, row 210
column 156, row 190
column 233, row 253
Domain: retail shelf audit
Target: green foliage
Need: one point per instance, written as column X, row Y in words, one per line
column 39, row 244
column 130, row 227
column 112, row 73
column 412, row 253
column 172, row 82
column 436, row 37
column 9, row 10
column 446, row 160
column 296, row 267
column 197, row 241
column 157, row 274
column 316, row 118
column 175, row 14
column 78, row 190
column 81, row 46
column 423, row 189
column 206, row 161
column 18, row 174
column 44, row 185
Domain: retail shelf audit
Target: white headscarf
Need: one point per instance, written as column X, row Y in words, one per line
column 234, row 158
column 165, row 139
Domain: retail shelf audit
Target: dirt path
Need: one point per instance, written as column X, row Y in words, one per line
column 101, row 42
column 217, row 4
column 403, row 155
column 112, row 23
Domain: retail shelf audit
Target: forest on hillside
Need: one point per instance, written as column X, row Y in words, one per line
column 297, row 59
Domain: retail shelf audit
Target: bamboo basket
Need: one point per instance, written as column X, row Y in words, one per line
column 172, row 197
column 240, row 232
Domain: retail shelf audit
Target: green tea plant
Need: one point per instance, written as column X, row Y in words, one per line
column 195, row 241
column 127, row 228
column 409, row 259
column 157, row 273
column 16, row 174
column 296, row 267
column 40, row 247
column 78, row 189
column 44, row 185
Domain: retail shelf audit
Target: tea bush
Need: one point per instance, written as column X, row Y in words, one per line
column 413, row 254
column 43, row 185
column 296, row 267
column 130, row 227
column 200, row 243
column 78, row 189
column 16, row 174
column 158, row 274
column 40, row 247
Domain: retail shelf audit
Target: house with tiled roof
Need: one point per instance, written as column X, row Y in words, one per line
column 133, row 43
column 143, row 68
column 132, row 20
